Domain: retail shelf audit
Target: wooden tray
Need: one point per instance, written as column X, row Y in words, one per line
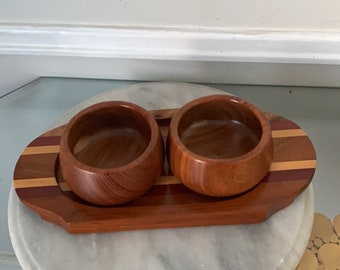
column 168, row 204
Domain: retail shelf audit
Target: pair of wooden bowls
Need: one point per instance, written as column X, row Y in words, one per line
column 112, row 152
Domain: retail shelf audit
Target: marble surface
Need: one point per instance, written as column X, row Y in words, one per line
column 278, row 243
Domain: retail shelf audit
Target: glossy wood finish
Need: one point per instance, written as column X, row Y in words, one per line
column 111, row 153
column 219, row 145
column 168, row 203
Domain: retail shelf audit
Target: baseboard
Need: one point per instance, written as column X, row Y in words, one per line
column 171, row 44
column 27, row 52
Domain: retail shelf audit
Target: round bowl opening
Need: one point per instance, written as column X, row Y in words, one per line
column 111, row 153
column 109, row 137
column 220, row 129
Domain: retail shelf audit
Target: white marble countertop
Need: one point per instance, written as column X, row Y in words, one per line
column 277, row 243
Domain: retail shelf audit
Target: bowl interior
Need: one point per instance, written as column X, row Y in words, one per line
column 110, row 137
column 220, row 129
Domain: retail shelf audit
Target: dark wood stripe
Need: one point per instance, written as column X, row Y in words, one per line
column 293, row 148
column 44, row 141
column 39, row 192
column 278, row 124
column 291, row 175
column 35, row 166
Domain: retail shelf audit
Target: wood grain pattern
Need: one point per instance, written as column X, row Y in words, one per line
column 110, row 153
column 168, row 203
column 219, row 145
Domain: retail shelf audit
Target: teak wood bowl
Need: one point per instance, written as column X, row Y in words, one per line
column 219, row 145
column 111, row 153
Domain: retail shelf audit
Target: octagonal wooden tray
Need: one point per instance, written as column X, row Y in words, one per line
column 168, row 204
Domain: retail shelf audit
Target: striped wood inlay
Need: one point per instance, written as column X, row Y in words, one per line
column 35, row 182
column 292, row 165
column 288, row 133
column 164, row 180
column 290, row 173
column 35, row 150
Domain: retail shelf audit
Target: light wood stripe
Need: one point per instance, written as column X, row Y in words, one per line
column 43, row 182
column 35, row 182
column 35, row 150
column 167, row 180
column 292, row 165
column 164, row 180
column 64, row 187
column 288, row 133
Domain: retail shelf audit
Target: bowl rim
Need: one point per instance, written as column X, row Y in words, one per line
column 152, row 143
column 266, row 135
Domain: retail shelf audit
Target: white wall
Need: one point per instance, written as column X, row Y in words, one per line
column 283, row 42
column 295, row 15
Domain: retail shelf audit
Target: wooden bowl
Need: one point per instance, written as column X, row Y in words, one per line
column 111, row 153
column 219, row 145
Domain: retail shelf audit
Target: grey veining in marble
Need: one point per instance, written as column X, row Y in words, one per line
column 277, row 243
